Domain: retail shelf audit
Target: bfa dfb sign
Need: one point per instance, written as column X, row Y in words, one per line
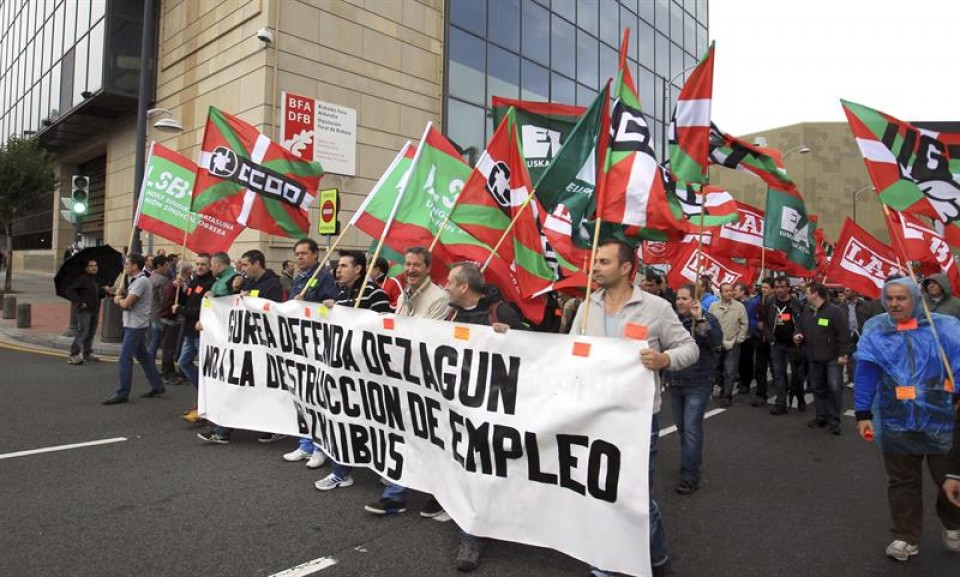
column 320, row 131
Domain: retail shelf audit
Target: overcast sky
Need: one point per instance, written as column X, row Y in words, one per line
column 781, row 62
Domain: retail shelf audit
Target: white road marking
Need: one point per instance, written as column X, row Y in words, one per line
column 707, row 415
column 850, row 413
column 62, row 448
column 308, row 568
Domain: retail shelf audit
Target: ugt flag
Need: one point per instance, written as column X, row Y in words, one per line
column 163, row 208
column 247, row 178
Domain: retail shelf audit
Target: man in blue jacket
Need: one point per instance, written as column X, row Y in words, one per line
column 904, row 397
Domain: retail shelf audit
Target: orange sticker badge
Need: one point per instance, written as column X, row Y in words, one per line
column 388, row 323
column 635, row 331
column 910, row 325
column 785, row 317
column 581, row 349
column 906, row 393
column 461, row 333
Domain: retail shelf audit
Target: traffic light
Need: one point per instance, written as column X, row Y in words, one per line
column 79, row 194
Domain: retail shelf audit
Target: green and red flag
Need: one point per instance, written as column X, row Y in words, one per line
column 914, row 170
column 764, row 163
column 633, row 191
column 246, row 178
column 687, row 204
column 690, row 126
column 497, row 193
column 543, row 127
column 163, row 207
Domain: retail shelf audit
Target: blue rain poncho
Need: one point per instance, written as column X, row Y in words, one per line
column 901, row 380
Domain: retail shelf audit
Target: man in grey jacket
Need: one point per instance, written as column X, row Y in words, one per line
column 936, row 291
column 733, row 321
column 620, row 310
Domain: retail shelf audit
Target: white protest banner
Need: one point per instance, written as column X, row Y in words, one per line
column 527, row 437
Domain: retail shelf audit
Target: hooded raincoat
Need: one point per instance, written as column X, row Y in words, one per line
column 901, row 381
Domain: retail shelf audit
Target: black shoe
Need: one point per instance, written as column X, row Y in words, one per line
column 725, row 403
column 778, row 410
column 434, row 510
column 817, row 424
column 153, row 393
column 386, row 506
column 270, row 437
column 468, row 556
column 743, row 391
column 664, row 569
column 801, row 407
column 115, row 400
column 835, row 429
column 214, row 438
column 686, row 487
column 759, row 402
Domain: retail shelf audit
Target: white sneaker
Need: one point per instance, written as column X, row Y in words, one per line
column 297, row 455
column 951, row 540
column 901, row 550
column 331, row 482
column 317, row 459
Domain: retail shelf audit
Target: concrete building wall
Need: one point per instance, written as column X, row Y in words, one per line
column 828, row 176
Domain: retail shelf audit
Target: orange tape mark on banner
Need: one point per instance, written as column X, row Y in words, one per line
column 461, row 333
column 236, row 301
column 388, row 323
column 266, row 307
column 906, row 393
column 581, row 349
column 306, row 312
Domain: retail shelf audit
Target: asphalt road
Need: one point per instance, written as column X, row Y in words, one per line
column 777, row 499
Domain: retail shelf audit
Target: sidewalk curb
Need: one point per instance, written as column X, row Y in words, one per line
column 54, row 343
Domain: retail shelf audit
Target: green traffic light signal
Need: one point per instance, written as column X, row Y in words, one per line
column 79, row 194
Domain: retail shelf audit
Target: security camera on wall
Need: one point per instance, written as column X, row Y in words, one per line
column 265, row 35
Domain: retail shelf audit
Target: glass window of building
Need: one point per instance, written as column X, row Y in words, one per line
column 467, row 67
column 563, row 47
column 588, row 12
column 534, row 81
column 503, row 73
column 535, row 23
column 470, row 15
column 588, row 59
column 505, row 23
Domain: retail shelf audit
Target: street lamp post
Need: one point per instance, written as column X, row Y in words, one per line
column 147, row 43
column 856, row 198
column 802, row 149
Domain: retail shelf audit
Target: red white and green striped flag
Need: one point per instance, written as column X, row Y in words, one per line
column 498, row 191
column 245, row 177
column 633, row 188
column 690, row 126
column 412, row 204
column 686, row 204
column 543, row 127
column 163, row 207
column 914, row 170
column 764, row 163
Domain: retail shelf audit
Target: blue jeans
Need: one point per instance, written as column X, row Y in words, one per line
column 826, row 382
column 191, row 346
column 133, row 346
column 731, row 370
column 156, row 337
column 689, row 405
column 658, row 535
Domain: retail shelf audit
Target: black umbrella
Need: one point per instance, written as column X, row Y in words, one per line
column 109, row 267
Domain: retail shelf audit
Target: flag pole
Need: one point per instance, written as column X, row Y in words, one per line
column 136, row 216
column 895, row 239
column 601, row 171
column 703, row 210
column 183, row 251
column 506, row 232
column 393, row 212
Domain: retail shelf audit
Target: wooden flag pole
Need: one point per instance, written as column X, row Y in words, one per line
column 593, row 257
column 703, row 209
column 506, row 232
column 323, row 262
column 183, row 250
column 895, row 239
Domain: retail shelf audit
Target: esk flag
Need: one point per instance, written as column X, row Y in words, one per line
column 497, row 193
column 914, row 170
column 164, row 205
column 690, row 126
column 247, row 178
column 861, row 262
column 691, row 265
column 916, row 241
column 633, row 188
column 543, row 127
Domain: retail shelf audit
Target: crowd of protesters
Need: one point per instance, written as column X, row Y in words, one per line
column 773, row 344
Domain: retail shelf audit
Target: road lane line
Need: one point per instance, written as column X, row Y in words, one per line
column 850, row 413
column 62, row 448
column 707, row 415
column 308, row 568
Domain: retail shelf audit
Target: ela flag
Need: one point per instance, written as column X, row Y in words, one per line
column 245, row 177
column 690, row 126
column 919, row 242
column 633, row 189
column 861, row 262
column 497, row 193
column 543, row 126
column 164, row 205
column 789, row 229
column 914, row 170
